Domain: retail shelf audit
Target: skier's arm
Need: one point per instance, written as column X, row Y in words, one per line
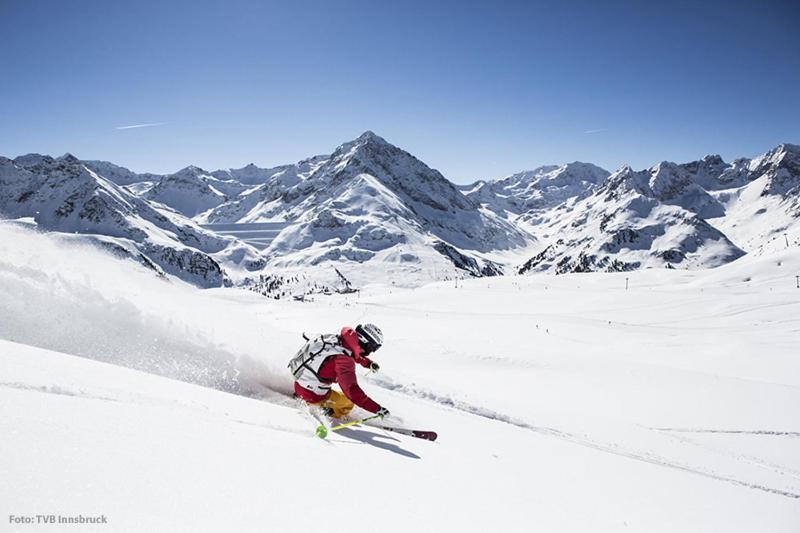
column 346, row 376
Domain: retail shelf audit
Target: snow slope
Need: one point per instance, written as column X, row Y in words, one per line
column 563, row 403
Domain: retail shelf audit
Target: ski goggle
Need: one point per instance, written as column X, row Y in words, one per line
column 368, row 345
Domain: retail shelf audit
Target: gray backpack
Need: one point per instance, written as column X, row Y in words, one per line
column 307, row 361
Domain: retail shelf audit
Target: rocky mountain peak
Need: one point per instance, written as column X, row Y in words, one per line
column 69, row 158
column 190, row 171
column 367, row 146
column 31, row 160
column 781, row 167
column 396, row 169
column 787, row 148
column 667, row 179
column 713, row 159
column 621, row 180
column 370, row 136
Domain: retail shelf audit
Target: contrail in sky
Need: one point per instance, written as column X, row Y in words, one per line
column 132, row 126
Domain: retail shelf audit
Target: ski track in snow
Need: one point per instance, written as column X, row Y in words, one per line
column 55, row 389
column 734, row 431
column 612, row 448
column 756, row 461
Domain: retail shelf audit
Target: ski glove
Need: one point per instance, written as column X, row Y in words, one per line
column 374, row 366
column 383, row 412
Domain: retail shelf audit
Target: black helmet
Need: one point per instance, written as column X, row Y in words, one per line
column 370, row 337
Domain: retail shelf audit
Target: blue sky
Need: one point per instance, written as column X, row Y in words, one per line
column 474, row 89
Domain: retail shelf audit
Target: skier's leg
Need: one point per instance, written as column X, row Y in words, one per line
column 338, row 403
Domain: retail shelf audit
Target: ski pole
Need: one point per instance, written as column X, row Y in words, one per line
column 322, row 432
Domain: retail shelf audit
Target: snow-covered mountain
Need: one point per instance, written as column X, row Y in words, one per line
column 65, row 195
column 540, row 189
column 761, row 198
column 192, row 190
column 274, row 200
column 625, row 225
column 381, row 214
column 117, row 174
column 248, row 175
column 693, row 215
column 371, row 202
column 675, row 185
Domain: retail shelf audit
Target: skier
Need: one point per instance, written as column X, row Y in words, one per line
column 332, row 358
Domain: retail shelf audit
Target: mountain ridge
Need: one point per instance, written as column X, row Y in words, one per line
column 377, row 209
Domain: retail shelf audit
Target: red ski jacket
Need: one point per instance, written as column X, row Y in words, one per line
column 341, row 369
